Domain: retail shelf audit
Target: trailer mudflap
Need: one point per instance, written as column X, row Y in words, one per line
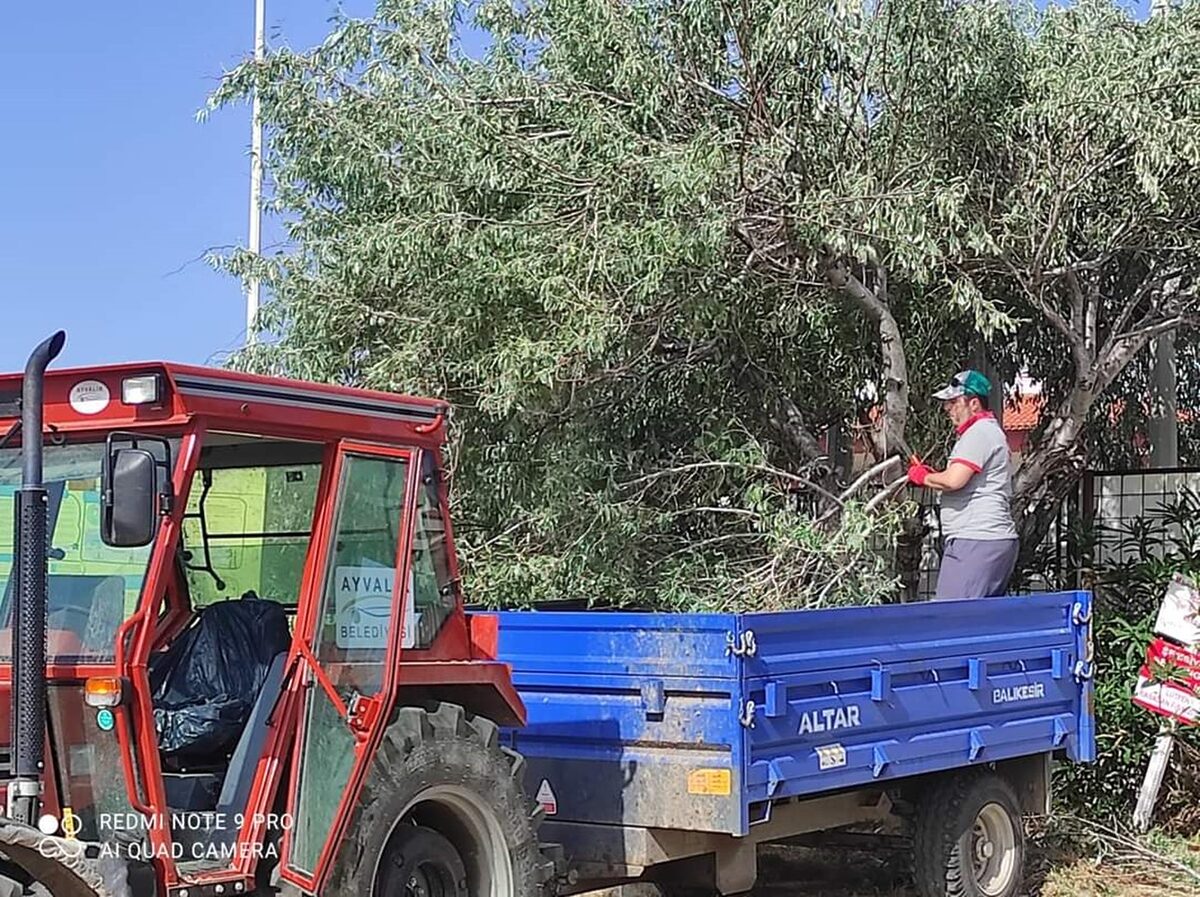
column 65, row 868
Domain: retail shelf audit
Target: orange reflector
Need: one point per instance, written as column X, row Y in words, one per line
column 102, row 691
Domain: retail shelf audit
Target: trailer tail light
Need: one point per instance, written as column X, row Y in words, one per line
column 103, row 691
column 142, row 390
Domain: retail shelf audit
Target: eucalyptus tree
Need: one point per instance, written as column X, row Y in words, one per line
column 656, row 252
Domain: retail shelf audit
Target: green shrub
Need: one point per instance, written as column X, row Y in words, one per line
column 1134, row 565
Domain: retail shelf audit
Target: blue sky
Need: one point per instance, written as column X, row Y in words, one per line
column 113, row 191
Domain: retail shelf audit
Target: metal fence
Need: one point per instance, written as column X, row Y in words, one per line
column 1117, row 500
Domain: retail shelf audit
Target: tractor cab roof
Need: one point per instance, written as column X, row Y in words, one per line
column 162, row 395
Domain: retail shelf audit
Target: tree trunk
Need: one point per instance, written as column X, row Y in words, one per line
column 895, row 379
column 1164, row 419
column 873, row 301
column 1053, row 467
column 893, row 363
column 1050, row 471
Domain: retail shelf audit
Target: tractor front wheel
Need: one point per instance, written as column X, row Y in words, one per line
column 443, row 813
column 422, row 863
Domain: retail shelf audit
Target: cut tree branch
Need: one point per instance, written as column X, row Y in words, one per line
column 884, row 496
column 718, row 465
column 876, row 471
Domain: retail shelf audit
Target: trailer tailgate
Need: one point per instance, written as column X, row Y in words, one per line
column 862, row 695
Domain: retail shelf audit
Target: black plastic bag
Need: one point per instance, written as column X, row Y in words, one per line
column 205, row 684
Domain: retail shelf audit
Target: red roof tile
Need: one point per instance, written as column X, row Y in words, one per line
column 1024, row 414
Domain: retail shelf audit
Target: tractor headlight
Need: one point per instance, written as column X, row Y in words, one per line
column 142, row 390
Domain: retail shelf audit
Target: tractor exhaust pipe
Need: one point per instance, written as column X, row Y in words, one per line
column 29, row 611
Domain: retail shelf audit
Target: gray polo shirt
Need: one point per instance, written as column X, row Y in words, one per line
column 982, row 509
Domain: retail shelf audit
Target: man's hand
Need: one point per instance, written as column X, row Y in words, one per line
column 917, row 472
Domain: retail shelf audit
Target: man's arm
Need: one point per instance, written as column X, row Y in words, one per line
column 968, row 457
column 953, row 478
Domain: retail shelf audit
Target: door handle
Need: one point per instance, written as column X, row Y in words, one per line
column 362, row 714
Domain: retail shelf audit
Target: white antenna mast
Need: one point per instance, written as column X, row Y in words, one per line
column 256, row 173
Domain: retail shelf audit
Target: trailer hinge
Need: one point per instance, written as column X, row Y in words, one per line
column 741, row 646
column 1083, row 671
column 746, row 717
column 1081, row 616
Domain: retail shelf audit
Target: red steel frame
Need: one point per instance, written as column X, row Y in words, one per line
column 201, row 400
column 306, row 628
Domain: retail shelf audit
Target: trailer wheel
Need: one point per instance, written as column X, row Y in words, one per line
column 442, row 804
column 970, row 841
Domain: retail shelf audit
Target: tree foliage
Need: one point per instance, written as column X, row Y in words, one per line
column 654, row 251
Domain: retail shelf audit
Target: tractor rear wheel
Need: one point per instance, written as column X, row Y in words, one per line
column 443, row 813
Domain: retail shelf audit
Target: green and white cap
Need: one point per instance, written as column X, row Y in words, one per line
column 965, row 383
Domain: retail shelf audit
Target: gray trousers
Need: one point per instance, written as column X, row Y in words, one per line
column 976, row 568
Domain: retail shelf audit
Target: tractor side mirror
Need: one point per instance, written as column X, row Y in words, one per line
column 131, row 500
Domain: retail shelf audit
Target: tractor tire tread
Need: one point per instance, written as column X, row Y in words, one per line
column 424, row 746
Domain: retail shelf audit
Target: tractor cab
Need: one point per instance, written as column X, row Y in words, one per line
column 245, row 580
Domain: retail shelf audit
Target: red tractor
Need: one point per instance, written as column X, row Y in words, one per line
column 239, row 660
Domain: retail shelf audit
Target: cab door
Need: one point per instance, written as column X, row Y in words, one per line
column 348, row 638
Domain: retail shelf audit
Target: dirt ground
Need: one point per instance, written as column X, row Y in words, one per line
column 1086, row 879
column 801, row 872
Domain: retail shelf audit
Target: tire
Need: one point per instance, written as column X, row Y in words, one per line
column 969, row 840
column 422, row 863
column 16, row 882
column 441, row 772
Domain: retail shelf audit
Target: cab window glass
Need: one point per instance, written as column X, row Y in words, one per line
column 92, row 587
column 353, row 635
column 247, row 530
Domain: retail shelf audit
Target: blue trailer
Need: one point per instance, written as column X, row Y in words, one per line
column 666, row 747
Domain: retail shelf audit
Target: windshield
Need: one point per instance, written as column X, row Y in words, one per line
column 92, row 588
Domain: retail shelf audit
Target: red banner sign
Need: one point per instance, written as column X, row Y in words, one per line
column 1169, row 682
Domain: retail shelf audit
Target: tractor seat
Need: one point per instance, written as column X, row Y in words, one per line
column 206, row 685
column 195, row 792
column 235, row 792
